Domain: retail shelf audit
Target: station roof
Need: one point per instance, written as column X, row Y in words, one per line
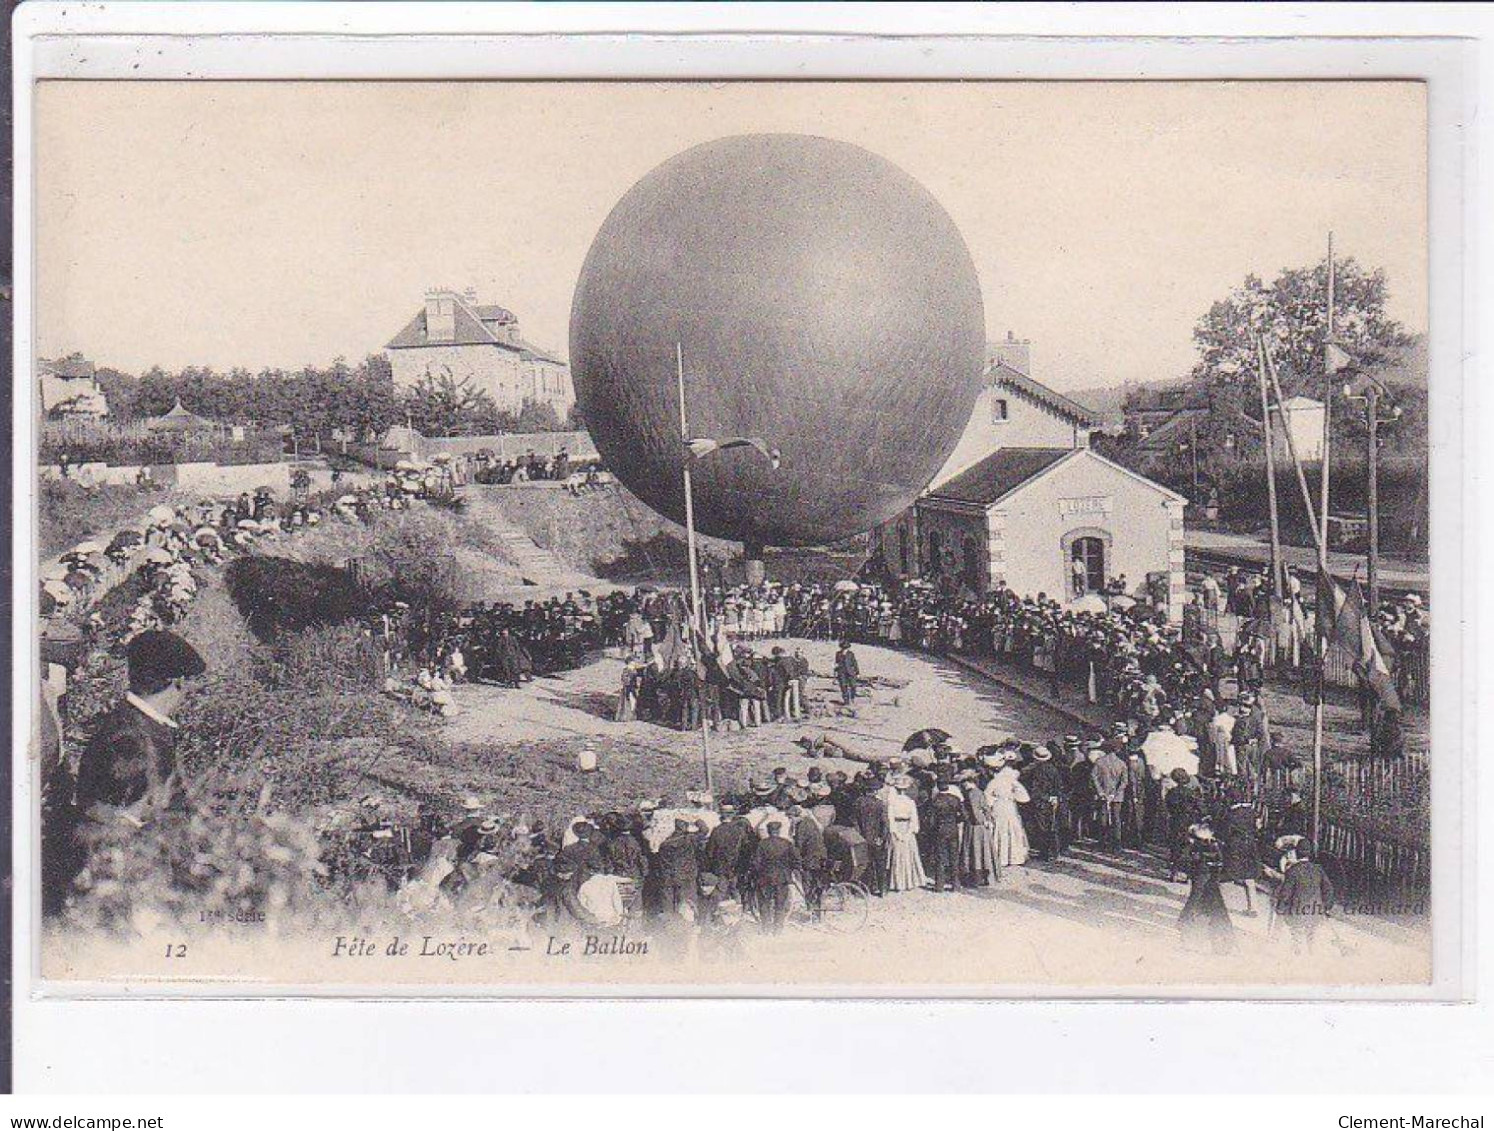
column 999, row 474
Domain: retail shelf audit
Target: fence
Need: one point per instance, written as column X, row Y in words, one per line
column 1373, row 831
column 134, row 444
column 578, row 445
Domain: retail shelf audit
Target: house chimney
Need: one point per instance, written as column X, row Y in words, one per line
column 440, row 315
column 1015, row 353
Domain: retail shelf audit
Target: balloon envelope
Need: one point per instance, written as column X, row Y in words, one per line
column 823, row 301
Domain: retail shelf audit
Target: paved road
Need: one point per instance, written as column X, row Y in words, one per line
column 1396, row 572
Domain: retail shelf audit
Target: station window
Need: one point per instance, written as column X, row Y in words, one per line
column 998, row 411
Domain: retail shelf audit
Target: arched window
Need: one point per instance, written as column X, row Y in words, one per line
column 1086, row 560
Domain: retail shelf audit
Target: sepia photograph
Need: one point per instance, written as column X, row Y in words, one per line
column 764, row 538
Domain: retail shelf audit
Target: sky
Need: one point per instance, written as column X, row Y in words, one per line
column 284, row 224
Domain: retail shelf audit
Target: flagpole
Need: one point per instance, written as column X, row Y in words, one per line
column 1278, row 581
column 1317, row 712
column 698, row 622
column 1327, row 406
column 1320, row 537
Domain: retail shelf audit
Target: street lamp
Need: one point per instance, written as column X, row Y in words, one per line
column 1371, row 400
column 699, row 448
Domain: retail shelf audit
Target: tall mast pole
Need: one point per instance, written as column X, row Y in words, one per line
column 697, row 620
column 1372, row 406
column 1278, row 581
column 1323, row 615
column 1327, row 411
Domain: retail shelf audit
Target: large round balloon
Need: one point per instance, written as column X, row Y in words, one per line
column 824, row 302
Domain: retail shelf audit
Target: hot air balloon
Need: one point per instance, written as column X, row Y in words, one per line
column 820, row 301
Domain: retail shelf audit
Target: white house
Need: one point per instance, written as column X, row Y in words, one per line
column 1304, row 419
column 69, row 387
column 1023, row 517
column 1023, row 497
column 454, row 336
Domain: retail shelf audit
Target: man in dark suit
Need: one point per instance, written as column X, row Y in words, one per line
column 679, row 867
column 872, row 824
column 726, row 848
column 773, row 867
column 131, row 756
column 947, row 815
column 1305, row 898
column 809, row 842
column 847, row 672
column 1047, row 786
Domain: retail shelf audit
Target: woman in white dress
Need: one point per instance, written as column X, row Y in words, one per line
column 904, row 869
column 1004, row 793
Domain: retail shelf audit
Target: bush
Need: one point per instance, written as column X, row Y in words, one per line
column 193, row 866
column 278, row 595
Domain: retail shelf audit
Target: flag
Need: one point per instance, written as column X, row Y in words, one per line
column 1336, row 359
column 1344, row 620
column 704, row 447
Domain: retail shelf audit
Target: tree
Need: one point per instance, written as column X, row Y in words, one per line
column 442, row 405
column 538, row 416
column 1292, row 314
column 121, row 390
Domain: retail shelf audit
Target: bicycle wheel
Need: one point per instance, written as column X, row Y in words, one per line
column 844, row 908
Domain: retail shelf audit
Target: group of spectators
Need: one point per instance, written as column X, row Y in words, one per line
column 489, row 468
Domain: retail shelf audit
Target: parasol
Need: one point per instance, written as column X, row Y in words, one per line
column 926, row 739
column 1165, row 752
column 847, row 586
column 1089, row 603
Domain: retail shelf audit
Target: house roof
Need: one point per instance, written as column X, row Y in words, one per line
column 179, row 419
column 1170, row 431
column 1017, row 381
column 999, row 474
column 494, row 314
column 533, row 351
column 67, row 367
column 470, row 330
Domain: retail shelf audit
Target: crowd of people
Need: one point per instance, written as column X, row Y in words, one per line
column 935, row 819
column 1184, row 767
column 488, row 467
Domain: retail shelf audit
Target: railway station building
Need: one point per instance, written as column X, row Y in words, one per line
column 1025, row 502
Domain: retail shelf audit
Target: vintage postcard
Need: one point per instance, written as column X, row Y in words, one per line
column 733, row 537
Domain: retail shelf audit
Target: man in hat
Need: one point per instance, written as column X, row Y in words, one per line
column 1046, row 785
column 809, row 841
column 679, row 867
column 131, row 755
column 1306, row 896
column 1108, row 780
column 727, row 848
column 872, row 823
column 1081, row 795
column 624, row 850
column 847, row 672
column 1184, row 810
column 947, row 818
column 774, row 862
